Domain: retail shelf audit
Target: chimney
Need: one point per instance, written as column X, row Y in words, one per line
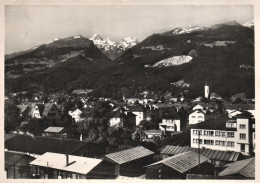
column 67, row 159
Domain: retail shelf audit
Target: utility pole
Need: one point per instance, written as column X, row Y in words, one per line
column 199, row 151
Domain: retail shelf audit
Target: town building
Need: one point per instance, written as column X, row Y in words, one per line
column 130, row 162
column 75, row 113
column 53, row 131
column 63, row 166
column 38, row 145
column 48, row 110
column 224, row 134
column 178, row 166
column 216, row 157
column 170, row 122
column 17, row 165
column 244, row 169
column 24, row 110
column 196, row 117
column 138, row 111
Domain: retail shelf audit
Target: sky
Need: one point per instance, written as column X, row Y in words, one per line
column 28, row 26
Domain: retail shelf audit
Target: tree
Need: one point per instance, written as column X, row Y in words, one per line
column 12, row 117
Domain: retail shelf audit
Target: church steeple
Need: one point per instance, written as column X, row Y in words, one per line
column 206, row 90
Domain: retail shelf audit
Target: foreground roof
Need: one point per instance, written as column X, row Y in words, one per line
column 12, row 157
column 40, row 145
column 128, row 155
column 208, row 153
column 77, row 164
column 182, row 162
column 244, row 167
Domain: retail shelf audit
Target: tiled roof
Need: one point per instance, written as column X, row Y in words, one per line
column 135, row 108
column 12, row 157
column 230, row 156
column 54, row 129
column 22, row 108
column 163, row 105
column 212, row 123
column 77, row 164
column 244, row 167
column 128, row 155
column 182, row 162
column 9, row 135
column 40, row 145
column 171, row 115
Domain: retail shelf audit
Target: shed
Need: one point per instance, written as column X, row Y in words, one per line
column 178, row 166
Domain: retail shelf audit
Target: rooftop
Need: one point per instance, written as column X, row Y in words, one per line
column 182, row 162
column 239, row 106
column 12, row 157
column 212, row 123
column 76, row 164
column 128, row 155
column 40, row 145
column 244, row 167
column 208, row 153
column 53, row 129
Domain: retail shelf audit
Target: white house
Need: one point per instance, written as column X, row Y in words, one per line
column 138, row 111
column 76, row 114
column 170, row 122
column 196, row 116
column 226, row 135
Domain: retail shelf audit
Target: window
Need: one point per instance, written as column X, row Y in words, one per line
column 230, row 134
column 253, row 126
column 230, row 144
column 220, row 143
column 200, row 116
column 231, row 125
column 220, row 134
column 197, row 132
column 242, row 136
column 209, row 133
column 193, row 116
column 242, row 126
column 209, row 142
column 196, row 141
column 242, row 147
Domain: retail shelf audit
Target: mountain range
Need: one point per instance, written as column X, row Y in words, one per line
column 222, row 55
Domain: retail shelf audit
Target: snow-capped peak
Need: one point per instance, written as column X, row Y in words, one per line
column 110, row 47
column 249, row 23
column 55, row 39
column 188, row 29
column 96, row 37
column 77, row 37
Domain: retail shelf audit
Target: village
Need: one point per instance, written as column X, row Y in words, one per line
column 78, row 136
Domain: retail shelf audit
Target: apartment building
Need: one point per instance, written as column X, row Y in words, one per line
column 237, row 134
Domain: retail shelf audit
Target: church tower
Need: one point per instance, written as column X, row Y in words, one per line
column 206, row 91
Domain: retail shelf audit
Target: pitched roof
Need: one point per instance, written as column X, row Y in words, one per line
column 40, row 107
column 54, row 129
column 40, row 145
column 128, row 155
column 171, row 115
column 244, row 167
column 163, row 105
column 135, row 108
column 182, row 162
column 77, row 164
column 22, row 108
column 212, row 123
column 47, row 108
column 12, row 157
column 208, row 153
column 153, row 132
column 9, row 135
